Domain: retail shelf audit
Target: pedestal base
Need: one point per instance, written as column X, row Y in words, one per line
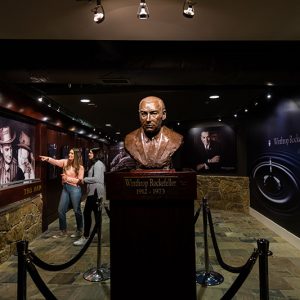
column 209, row 278
column 97, row 274
column 152, row 235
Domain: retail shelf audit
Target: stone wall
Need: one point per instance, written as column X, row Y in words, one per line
column 225, row 192
column 21, row 220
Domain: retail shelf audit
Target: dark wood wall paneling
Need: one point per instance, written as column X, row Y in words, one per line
column 19, row 107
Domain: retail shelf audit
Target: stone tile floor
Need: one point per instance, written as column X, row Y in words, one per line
column 237, row 236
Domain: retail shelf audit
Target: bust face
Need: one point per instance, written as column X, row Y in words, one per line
column 152, row 113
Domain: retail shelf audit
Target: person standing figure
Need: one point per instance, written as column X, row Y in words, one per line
column 72, row 176
column 95, row 191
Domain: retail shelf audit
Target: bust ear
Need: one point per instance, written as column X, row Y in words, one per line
column 164, row 114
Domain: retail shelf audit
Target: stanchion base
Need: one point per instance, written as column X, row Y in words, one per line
column 96, row 275
column 209, row 278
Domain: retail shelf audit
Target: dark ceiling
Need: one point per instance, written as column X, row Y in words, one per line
column 235, row 49
column 115, row 75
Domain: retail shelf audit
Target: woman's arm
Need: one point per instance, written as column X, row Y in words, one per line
column 74, row 180
column 98, row 174
column 56, row 162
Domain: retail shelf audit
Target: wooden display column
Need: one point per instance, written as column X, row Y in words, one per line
column 152, row 240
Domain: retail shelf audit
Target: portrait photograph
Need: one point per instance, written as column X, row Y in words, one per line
column 17, row 160
column 210, row 149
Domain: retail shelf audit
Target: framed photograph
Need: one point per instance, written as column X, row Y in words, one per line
column 17, row 153
column 210, row 149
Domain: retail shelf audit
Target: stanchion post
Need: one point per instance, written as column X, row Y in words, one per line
column 207, row 277
column 206, row 254
column 263, row 248
column 100, row 273
column 22, row 248
column 99, row 233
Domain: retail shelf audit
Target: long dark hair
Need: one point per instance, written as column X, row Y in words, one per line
column 98, row 155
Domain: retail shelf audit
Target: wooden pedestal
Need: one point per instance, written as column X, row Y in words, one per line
column 152, row 234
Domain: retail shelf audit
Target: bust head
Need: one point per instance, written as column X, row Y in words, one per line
column 152, row 145
column 152, row 112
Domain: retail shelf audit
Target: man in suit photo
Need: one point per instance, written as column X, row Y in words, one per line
column 209, row 153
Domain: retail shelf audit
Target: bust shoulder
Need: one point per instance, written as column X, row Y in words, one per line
column 172, row 135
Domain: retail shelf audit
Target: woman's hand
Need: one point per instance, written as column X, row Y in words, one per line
column 64, row 178
column 44, row 158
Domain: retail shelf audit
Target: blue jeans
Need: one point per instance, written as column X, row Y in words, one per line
column 73, row 194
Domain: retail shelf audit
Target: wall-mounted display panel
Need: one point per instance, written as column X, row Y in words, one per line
column 17, row 153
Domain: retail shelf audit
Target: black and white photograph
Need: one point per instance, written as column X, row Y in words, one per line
column 17, row 160
column 210, row 149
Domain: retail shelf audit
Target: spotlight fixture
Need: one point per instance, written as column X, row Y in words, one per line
column 143, row 11
column 85, row 100
column 214, row 97
column 98, row 11
column 188, row 9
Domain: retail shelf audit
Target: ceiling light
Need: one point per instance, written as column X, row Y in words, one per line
column 98, row 11
column 85, row 100
column 235, row 115
column 143, row 11
column 246, row 110
column 214, row 97
column 269, row 96
column 108, row 125
column 188, row 9
column 40, row 99
column 269, row 83
column 220, row 120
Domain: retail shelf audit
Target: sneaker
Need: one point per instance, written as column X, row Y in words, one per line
column 81, row 241
column 62, row 233
column 76, row 234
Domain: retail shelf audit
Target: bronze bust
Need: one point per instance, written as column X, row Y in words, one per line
column 152, row 145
